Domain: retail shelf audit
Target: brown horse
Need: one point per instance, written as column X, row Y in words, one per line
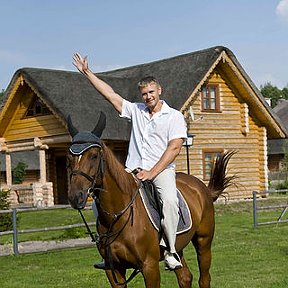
column 127, row 237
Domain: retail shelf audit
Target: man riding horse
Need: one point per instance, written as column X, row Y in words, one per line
column 157, row 135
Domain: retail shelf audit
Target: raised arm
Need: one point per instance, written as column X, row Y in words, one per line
column 102, row 87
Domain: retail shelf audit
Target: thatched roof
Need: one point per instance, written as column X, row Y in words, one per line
column 280, row 146
column 66, row 92
column 282, row 111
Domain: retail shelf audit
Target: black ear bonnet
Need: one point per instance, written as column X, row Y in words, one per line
column 81, row 141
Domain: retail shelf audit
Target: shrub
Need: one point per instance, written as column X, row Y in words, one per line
column 19, row 172
column 282, row 185
column 6, row 223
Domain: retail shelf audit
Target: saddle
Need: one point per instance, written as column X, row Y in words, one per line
column 152, row 196
column 153, row 206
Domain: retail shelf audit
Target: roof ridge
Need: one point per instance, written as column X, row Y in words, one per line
column 167, row 59
column 218, row 49
column 45, row 69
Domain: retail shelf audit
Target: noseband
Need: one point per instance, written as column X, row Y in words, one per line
column 94, row 180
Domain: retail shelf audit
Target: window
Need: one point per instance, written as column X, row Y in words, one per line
column 209, row 158
column 37, row 108
column 210, row 97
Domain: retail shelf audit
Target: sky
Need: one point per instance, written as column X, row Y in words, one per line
column 122, row 33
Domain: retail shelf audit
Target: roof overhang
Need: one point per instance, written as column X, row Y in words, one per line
column 228, row 65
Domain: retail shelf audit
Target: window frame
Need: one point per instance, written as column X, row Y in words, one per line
column 214, row 153
column 209, row 87
column 32, row 107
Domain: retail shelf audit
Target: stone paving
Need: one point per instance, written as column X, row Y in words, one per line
column 44, row 246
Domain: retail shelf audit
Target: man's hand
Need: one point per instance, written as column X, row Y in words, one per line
column 80, row 63
column 145, row 175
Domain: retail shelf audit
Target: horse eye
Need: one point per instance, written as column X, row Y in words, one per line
column 93, row 156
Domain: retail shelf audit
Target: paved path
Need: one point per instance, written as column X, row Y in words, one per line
column 43, row 246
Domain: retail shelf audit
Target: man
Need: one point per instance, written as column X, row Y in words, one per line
column 157, row 135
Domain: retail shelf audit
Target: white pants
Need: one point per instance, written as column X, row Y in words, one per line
column 165, row 183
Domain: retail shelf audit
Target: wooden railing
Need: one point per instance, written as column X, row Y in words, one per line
column 283, row 207
column 17, row 231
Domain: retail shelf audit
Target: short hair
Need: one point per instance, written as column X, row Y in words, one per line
column 147, row 80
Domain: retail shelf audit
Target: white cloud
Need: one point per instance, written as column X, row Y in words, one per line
column 282, row 9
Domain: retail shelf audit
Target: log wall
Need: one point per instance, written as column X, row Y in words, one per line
column 233, row 128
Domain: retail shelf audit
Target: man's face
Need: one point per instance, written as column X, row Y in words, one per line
column 151, row 95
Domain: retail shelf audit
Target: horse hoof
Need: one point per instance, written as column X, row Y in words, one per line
column 101, row 265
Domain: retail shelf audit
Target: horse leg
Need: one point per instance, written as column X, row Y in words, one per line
column 119, row 279
column 184, row 276
column 203, row 250
column 151, row 274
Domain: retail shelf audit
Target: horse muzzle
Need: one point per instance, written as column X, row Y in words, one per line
column 77, row 199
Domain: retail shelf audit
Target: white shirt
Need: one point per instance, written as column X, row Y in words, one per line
column 150, row 136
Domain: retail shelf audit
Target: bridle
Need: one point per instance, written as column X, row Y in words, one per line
column 97, row 186
column 96, row 181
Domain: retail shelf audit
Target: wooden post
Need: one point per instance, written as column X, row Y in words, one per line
column 8, row 170
column 255, row 209
column 15, row 232
column 42, row 163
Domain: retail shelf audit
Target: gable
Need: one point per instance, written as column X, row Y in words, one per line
column 29, row 117
column 228, row 68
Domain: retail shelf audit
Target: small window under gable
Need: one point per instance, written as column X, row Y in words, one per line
column 37, row 108
column 210, row 98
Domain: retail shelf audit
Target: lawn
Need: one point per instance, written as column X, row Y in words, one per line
column 49, row 218
column 242, row 257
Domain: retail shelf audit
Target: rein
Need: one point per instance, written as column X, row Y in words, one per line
column 115, row 216
column 110, row 233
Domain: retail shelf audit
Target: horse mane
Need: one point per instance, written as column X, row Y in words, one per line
column 117, row 171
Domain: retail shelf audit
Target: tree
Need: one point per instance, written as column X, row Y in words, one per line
column 285, row 93
column 2, row 93
column 271, row 92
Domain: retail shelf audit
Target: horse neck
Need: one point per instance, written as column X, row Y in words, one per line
column 118, row 183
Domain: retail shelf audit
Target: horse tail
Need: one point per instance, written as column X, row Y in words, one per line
column 219, row 180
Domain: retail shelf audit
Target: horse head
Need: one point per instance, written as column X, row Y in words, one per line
column 85, row 162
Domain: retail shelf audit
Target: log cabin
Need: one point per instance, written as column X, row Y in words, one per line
column 223, row 109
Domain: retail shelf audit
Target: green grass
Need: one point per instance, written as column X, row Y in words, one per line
column 242, row 257
column 49, row 218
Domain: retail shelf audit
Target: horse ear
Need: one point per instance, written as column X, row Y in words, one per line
column 100, row 125
column 72, row 130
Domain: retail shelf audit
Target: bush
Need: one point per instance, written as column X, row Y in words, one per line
column 19, row 172
column 282, row 185
column 6, row 222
